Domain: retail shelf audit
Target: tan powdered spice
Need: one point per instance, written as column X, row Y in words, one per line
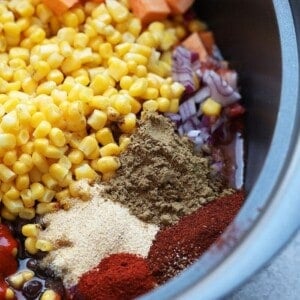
column 161, row 178
column 90, row 231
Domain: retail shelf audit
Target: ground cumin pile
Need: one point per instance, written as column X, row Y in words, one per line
column 160, row 178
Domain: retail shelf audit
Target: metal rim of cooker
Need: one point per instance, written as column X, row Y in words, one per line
column 271, row 217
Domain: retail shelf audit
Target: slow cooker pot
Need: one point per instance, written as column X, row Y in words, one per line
column 260, row 39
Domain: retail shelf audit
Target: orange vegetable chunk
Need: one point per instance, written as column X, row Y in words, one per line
column 195, row 44
column 180, row 6
column 208, row 40
column 150, row 10
column 60, row 6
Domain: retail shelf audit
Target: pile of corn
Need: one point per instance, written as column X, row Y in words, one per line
column 69, row 85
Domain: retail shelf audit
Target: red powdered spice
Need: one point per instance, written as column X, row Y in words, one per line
column 178, row 246
column 120, row 276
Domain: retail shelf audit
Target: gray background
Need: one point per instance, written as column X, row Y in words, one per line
column 280, row 280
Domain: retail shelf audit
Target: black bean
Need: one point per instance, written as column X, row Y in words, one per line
column 32, row 289
column 32, row 264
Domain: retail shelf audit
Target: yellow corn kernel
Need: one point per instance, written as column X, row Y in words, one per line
column 117, row 68
column 48, row 196
column 80, row 40
column 112, row 114
column 44, row 208
column 128, row 124
column 150, row 105
column 6, row 174
column 6, row 214
column 110, row 92
column 29, row 244
column 84, row 171
column 30, row 230
column 211, row 108
column 122, row 104
column 141, row 71
column 108, row 164
column 65, row 49
column 111, row 149
column 58, row 172
column 12, row 193
column 29, row 85
column 76, row 156
column 138, row 58
column 147, row 39
column 27, row 213
column 54, row 152
column 123, row 142
column 28, row 147
column 126, row 82
column 28, row 201
column 10, row 157
column 38, row 35
column 43, row 245
column 163, row 104
column 55, row 76
column 151, row 93
column 105, row 50
column 7, row 141
column 13, row 206
column 41, row 69
column 139, row 87
column 82, row 79
column 5, row 186
column 50, row 294
column 88, row 145
column 43, row 12
column 70, row 19
column 49, row 181
column 40, row 162
column 70, row 64
column 57, row 137
column 97, row 119
column 118, row 12
column 104, row 136
column 177, row 89
column 37, row 190
column 22, row 182
column 100, row 83
column 10, row 123
column 42, row 130
column 174, row 106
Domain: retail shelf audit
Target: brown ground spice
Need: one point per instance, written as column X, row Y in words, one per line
column 160, row 178
column 178, row 246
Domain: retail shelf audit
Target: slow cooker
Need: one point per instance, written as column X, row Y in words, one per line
column 261, row 40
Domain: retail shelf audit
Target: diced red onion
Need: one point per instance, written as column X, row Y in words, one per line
column 187, row 109
column 220, row 90
column 182, row 69
column 199, row 137
column 230, row 77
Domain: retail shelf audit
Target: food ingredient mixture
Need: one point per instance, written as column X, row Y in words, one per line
column 119, row 276
column 178, row 246
column 161, row 178
column 78, row 80
column 88, row 232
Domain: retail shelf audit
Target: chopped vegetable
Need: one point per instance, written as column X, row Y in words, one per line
column 195, row 44
column 183, row 69
column 208, row 40
column 150, row 10
column 180, row 6
column 60, row 6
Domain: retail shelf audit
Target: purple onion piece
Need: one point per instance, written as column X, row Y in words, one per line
column 220, row 90
column 187, row 109
column 182, row 69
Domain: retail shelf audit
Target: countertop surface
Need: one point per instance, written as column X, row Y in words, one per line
column 280, row 280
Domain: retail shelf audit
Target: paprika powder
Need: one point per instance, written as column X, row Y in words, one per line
column 178, row 246
column 120, row 276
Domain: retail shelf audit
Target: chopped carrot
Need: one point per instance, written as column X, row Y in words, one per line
column 180, row 6
column 150, row 10
column 195, row 44
column 60, row 6
column 208, row 40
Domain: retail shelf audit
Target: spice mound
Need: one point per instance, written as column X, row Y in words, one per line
column 178, row 246
column 119, row 276
column 161, row 178
column 90, row 231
